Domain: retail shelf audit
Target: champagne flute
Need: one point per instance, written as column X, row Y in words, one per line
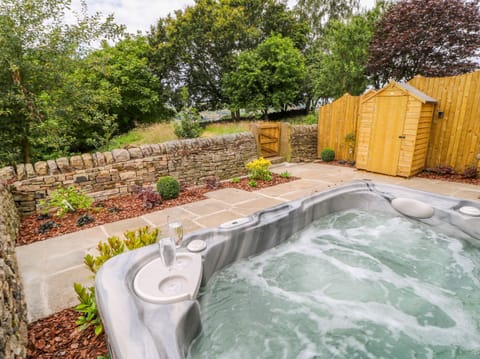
column 175, row 231
column 167, row 252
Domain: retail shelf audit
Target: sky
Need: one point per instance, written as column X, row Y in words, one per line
column 141, row 14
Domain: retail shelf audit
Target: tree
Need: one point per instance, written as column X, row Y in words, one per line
column 124, row 70
column 269, row 76
column 38, row 52
column 341, row 64
column 318, row 13
column 425, row 37
column 197, row 47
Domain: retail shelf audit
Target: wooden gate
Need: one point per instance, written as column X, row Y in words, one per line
column 269, row 139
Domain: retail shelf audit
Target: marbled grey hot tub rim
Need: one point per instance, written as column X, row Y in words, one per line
column 139, row 329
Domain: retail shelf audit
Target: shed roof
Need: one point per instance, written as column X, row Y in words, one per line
column 423, row 97
column 412, row 91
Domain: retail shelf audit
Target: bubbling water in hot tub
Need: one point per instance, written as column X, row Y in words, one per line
column 353, row 284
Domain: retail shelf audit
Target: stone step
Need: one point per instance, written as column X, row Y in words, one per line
column 276, row 159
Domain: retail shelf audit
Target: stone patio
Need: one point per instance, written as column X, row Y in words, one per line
column 49, row 268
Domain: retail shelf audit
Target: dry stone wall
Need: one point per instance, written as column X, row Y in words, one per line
column 110, row 174
column 13, row 314
column 303, row 143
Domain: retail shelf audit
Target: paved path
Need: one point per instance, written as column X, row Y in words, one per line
column 49, row 268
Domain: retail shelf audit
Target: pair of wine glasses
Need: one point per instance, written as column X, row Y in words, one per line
column 168, row 246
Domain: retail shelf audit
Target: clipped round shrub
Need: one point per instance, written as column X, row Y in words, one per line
column 168, row 187
column 327, row 154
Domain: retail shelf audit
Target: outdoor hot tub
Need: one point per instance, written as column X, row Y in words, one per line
column 365, row 270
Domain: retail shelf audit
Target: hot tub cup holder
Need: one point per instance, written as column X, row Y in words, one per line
column 158, row 284
column 469, row 211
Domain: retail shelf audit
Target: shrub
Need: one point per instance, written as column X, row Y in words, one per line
column 471, row 172
column 310, row 119
column 114, row 246
column 259, row 169
column 252, row 183
column 168, row 187
column 235, row 180
column 187, row 124
column 327, row 154
column 285, row 174
column 67, row 200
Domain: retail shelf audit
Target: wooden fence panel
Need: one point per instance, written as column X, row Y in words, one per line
column 335, row 121
column 455, row 137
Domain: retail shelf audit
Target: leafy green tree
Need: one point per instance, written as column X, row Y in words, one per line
column 341, row 65
column 268, row 77
column 197, row 46
column 425, row 37
column 38, row 53
column 317, row 14
column 123, row 71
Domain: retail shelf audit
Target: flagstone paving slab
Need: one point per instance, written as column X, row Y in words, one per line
column 219, row 218
column 233, row 195
column 205, row 207
column 118, row 228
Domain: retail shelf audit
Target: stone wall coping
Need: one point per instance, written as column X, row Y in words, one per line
column 86, row 161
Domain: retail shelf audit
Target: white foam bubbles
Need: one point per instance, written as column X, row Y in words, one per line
column 353, row 284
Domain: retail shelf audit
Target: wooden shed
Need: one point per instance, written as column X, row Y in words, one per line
column 394, row 130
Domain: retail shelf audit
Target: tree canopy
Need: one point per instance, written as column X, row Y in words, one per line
column 196, row 47
column 38, row 52
column 268, row 77
column 425, row 37
column 341, row 66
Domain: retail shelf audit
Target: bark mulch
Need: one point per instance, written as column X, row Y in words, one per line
column 57, row 336
column 124, row 207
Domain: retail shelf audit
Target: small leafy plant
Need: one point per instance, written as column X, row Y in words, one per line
column 212, row 182
column 441, row 170
column 47, row 227
column 149, row 197
column 470, row 172
column 252, row 183
column 259, row 169
column 113, row 247
column 235, row 180
column 285, row 174
column 83, row 220
column 88, row 308
column 114, row 209
column 327, row 154
column 140, row 238
column 67, row 200
column 168, row 187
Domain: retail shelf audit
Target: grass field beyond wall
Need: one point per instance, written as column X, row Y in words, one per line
column 163, row 132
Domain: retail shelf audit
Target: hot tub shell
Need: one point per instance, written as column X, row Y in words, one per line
column 136, row 328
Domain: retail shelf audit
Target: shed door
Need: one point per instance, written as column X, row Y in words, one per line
column 384, row 148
